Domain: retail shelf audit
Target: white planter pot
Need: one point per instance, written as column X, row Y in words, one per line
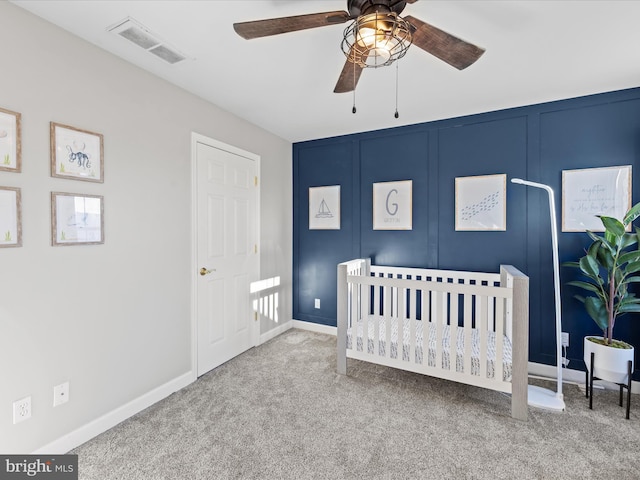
column 609, row 363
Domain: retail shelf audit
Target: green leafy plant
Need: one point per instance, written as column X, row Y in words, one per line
column 611, row 265
column 7, row 160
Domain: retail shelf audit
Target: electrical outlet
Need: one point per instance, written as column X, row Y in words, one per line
column 565, row 339
column 60, row 394
column 317, row 303
column 22, row 410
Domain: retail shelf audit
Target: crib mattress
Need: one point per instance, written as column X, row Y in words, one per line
column 446, row 342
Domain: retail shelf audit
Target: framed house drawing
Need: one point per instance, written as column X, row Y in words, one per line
column 324, row 208
column 393, row 205
column 481, row 202
column 76, row 219
column 589, row 192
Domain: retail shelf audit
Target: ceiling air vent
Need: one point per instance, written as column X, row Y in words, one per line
column 135, row 32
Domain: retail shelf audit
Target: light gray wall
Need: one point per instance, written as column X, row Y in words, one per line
column 114, row 319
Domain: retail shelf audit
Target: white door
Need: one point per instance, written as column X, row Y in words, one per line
column 226, row 252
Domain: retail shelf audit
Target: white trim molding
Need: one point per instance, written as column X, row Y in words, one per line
column 109, row 420
column 315, row 327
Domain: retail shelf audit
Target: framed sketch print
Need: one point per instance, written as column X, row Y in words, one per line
column 594, row 191
column 10, row 146
column 76, row 154
column 393, row 205
column 324, row 208
column 481, row 202
column 10, row 217
column 76, row 219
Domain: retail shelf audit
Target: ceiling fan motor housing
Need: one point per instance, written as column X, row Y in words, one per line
column 365, row 7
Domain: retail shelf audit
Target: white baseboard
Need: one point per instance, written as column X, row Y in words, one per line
column 315, row 327
column 274, row 332
column 574, row 376
column 543, row 370
column 109, row 420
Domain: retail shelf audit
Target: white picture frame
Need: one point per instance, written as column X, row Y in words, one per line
column 589, row 192
column 76, row 219
column 324, row 208
column 393, row 205
column 480, row 203
column 10, row 217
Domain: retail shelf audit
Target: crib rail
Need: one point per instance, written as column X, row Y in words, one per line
column 415, row 309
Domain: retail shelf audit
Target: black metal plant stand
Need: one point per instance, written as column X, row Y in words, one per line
column 589, row 385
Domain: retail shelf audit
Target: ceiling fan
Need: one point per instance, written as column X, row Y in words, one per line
column 377, row 37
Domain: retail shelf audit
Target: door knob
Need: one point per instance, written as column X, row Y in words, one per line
column 205, row 271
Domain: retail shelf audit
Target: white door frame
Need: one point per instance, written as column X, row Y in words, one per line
column 195, row 139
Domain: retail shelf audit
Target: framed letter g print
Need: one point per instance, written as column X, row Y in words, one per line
column 392, row 205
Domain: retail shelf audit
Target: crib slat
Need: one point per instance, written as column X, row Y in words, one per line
column 364, row 311
column 453, row 332
column 413, row 318
column 395, row 292
column 468, row 327
column 426, row 314
column 438, row 298
column 376, row 300
column 377, row 315
column 400, row 293
column 387, row 321
column 491, row 317
column 481, row 327
column 499, row 321
column 353, row 314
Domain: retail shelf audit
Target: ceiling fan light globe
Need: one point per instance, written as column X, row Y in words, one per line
column 378, row 57
column 366, row 37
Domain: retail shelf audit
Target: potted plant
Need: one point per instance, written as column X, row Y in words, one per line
column 611, row 265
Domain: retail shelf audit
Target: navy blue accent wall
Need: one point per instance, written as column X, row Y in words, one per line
column 535, row 142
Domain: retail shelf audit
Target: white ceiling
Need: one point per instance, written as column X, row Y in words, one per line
column 536, row 51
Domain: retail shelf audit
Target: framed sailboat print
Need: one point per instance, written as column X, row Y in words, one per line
column 324, row 208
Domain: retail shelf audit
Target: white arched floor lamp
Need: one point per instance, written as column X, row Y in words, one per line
column 538, row 396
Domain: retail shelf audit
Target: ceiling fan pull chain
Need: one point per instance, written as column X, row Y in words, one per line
column 396, row 114
column 353, row 110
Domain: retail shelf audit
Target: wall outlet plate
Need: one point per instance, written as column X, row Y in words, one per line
column 565, row 339
column 60, row 394
column 22, row 409
column 317, row 303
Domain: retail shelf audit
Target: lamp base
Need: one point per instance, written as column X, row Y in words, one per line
column 544, row 398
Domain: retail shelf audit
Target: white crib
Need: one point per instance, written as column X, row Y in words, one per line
column 489, row 313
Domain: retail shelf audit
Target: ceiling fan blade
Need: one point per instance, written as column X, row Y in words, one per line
column 446, row 47
column 349, row 76
column 275, row 26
